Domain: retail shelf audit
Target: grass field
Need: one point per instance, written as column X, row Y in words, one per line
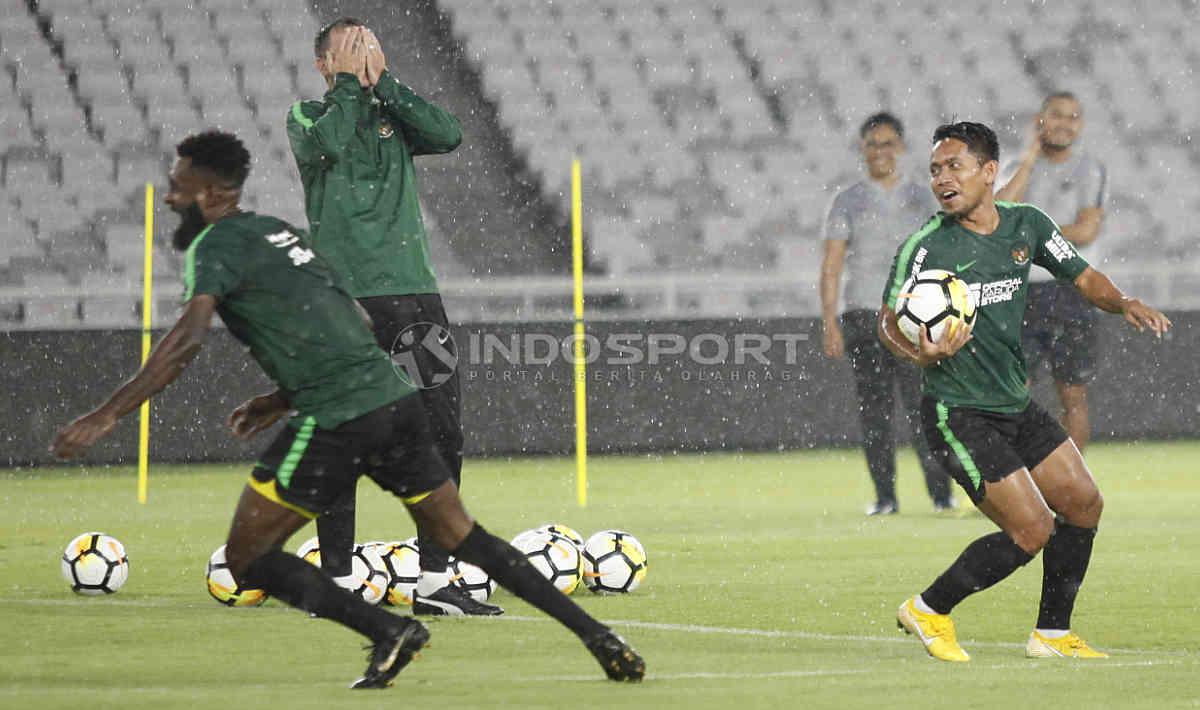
column 767, row 588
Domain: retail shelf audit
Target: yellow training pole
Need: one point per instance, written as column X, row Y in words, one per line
column 580, row 364
column 147, row 300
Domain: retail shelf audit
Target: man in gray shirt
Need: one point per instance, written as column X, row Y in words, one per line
column 1070, row 186
column 866, row 224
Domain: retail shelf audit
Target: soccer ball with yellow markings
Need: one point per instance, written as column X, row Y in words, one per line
column 936, row 299
column 402, row 561
column 553, row 555
column 368, row 576
column 224, row 588
column 614, row 562
column 94, row 564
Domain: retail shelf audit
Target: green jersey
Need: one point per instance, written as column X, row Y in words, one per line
column 283, row 301
column 355, row 153
column 989, row 372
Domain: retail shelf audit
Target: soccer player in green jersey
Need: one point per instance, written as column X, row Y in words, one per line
column 354, row 149
column 352, row 413
column 1013, row 459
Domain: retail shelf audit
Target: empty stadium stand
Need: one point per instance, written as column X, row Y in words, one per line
column 712, row 132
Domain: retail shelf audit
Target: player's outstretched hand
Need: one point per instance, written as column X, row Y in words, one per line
column 1141, row 316
column 952, row 340
column 376, row 62
column 76, row 437
column 255, row 415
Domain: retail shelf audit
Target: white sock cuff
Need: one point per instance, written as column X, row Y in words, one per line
column 1053, row 633
column 430, row 582
column 921, row 606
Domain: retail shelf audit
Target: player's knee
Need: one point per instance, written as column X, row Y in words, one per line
column 1091, row 508
column 1033, row 536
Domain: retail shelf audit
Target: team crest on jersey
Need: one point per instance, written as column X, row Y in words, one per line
column 1020, row 255
column 386, row 130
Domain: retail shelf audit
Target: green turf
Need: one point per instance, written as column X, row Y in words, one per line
column 767, row 587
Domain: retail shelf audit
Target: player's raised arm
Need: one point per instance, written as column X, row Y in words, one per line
column 1101, row 292
column 429, row 129
column 169, row 358
column 325, row 136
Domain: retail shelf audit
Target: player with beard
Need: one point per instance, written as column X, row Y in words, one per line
column 1012, row 458
column 354, row 150
column 350, row 415
column 1071, row 186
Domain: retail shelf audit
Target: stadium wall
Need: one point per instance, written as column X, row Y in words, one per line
column 733, row 384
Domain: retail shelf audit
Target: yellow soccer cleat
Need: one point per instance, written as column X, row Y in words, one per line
column 936, row 631
column 1069, row 646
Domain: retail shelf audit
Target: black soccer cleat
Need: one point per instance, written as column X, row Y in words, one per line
column 618, row 659
column 452, row 601
column 390, row 656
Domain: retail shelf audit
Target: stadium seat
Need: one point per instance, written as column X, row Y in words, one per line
column 120, row 124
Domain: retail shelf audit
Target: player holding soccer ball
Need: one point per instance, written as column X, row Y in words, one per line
column 353, row 415
column 1013, row 459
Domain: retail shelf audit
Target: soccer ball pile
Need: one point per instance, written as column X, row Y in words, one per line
column 936, row 299
column 610, row 561
column 95, row 563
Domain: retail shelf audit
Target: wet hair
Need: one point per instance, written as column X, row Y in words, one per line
column 1062, row 94
column 883, row 118
column 981, row 140
column 321, row 42
column 219, row 153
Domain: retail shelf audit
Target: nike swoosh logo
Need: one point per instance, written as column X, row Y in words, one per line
column 963, row 267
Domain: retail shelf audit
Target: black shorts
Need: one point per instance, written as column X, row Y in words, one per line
column 976, row 446
column 414, row 330
column 307, row 468
column 1060, row 325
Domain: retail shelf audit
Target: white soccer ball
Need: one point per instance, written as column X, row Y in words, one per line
column 613, row 562
column 472, row 580
column 936, row 299
column 368, row 576
column 553, row 555
column 560, row 529
column 95, row 563
column 224, row 588
column 402, row 561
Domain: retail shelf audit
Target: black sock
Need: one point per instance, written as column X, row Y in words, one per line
column 986, row 561
column 297, row 583
column 432, row 557
column 1064, row 563
column 512, row 571
column 335, row 529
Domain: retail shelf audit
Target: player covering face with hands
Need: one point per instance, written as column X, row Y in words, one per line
column 354, row 149
column 1013, row 459
column 349, row 414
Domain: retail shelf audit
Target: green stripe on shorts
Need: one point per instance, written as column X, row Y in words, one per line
column 299, row 444
column 964, row 456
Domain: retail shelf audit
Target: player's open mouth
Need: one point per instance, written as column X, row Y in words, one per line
column 947, row 195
